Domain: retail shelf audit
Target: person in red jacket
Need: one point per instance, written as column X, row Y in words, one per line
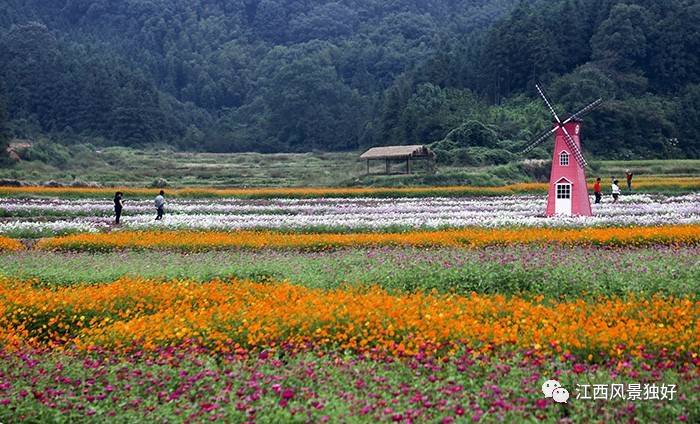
column 628, row 174
column 596, row 190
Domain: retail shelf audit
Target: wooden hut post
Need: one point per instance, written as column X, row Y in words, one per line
column 408, row 164
column 367, row 166
column 387, row 166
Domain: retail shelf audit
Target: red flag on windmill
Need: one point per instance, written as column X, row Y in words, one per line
column 568, row 193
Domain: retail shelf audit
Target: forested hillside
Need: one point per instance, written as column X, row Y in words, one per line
column 299, row 75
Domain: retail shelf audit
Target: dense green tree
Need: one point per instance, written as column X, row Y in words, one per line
column 688, row 120
column 621, row 41
column 674, row 50
column 4, row 136
column 310, row 107
column 275, row 75
column 518, row 52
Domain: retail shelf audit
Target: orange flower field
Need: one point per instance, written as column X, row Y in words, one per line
column 469, row 237
column 278, row 192
column 9, row 244
column 227, row 315
column 641, row 182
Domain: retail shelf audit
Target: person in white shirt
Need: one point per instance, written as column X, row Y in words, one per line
column 615, row 191
column 160, row 205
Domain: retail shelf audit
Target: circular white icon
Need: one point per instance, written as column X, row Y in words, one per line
column 578, row 127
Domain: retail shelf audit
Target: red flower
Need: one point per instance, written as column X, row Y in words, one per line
column 287, row 394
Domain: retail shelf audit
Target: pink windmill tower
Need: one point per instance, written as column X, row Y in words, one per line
column 568, row 193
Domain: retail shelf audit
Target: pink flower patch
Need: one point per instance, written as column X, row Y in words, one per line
column 287, row 394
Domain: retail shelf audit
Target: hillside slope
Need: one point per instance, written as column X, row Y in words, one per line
column 282, row 75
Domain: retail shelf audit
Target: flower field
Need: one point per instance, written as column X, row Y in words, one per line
column 470, row 237
column 41, row 216
column 236, row 315
column 9, row 244
column 643, row 183
column 347, row 305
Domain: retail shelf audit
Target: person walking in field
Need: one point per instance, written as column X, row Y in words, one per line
column 596, row 190
column 628, row 175
column 160, row 205
column 118, row 206
column 615, row 191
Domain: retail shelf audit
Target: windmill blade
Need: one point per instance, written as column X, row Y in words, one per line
column 534, row 143
column 574, row 148
column 549, row 105
column 583, row 112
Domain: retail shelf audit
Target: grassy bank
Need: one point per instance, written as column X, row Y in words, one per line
column 121, row 166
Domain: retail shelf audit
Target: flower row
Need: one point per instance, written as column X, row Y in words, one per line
column 9, row 244
column 187, row 383
column 468, row 237
column 289, row 192
column 681, row 183
column 60, row 217
column 230, row 315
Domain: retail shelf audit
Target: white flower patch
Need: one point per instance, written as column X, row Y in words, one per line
column 61, row 216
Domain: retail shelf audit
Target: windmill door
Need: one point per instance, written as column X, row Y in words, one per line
column 562, row 204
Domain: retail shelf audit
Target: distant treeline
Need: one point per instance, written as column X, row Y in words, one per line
column 300, row 75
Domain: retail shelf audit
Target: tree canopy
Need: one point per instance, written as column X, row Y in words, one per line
column 283, row 75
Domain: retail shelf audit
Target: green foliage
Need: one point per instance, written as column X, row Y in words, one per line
column 49, row 153
column 274, row 75
column 4, row 137
column 688, row 115
column 530, row 271
column 471, row 144
column 621, row 40
column 469, row 134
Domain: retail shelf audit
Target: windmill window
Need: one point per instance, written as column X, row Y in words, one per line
column 563, row 191
column 564, row 159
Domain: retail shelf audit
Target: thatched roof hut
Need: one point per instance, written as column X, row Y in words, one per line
column 397, row 152
column 407, row 153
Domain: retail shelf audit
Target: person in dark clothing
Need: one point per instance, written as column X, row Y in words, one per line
column 596, row 190
column 118, row 205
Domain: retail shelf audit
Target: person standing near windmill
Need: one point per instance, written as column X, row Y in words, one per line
column 615, row 191
column 628, row 175
column 596, row 190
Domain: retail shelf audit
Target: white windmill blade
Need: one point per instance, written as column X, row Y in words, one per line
column 583, row 112
column 574, row 148
column 539, row 140
column 549, row 105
